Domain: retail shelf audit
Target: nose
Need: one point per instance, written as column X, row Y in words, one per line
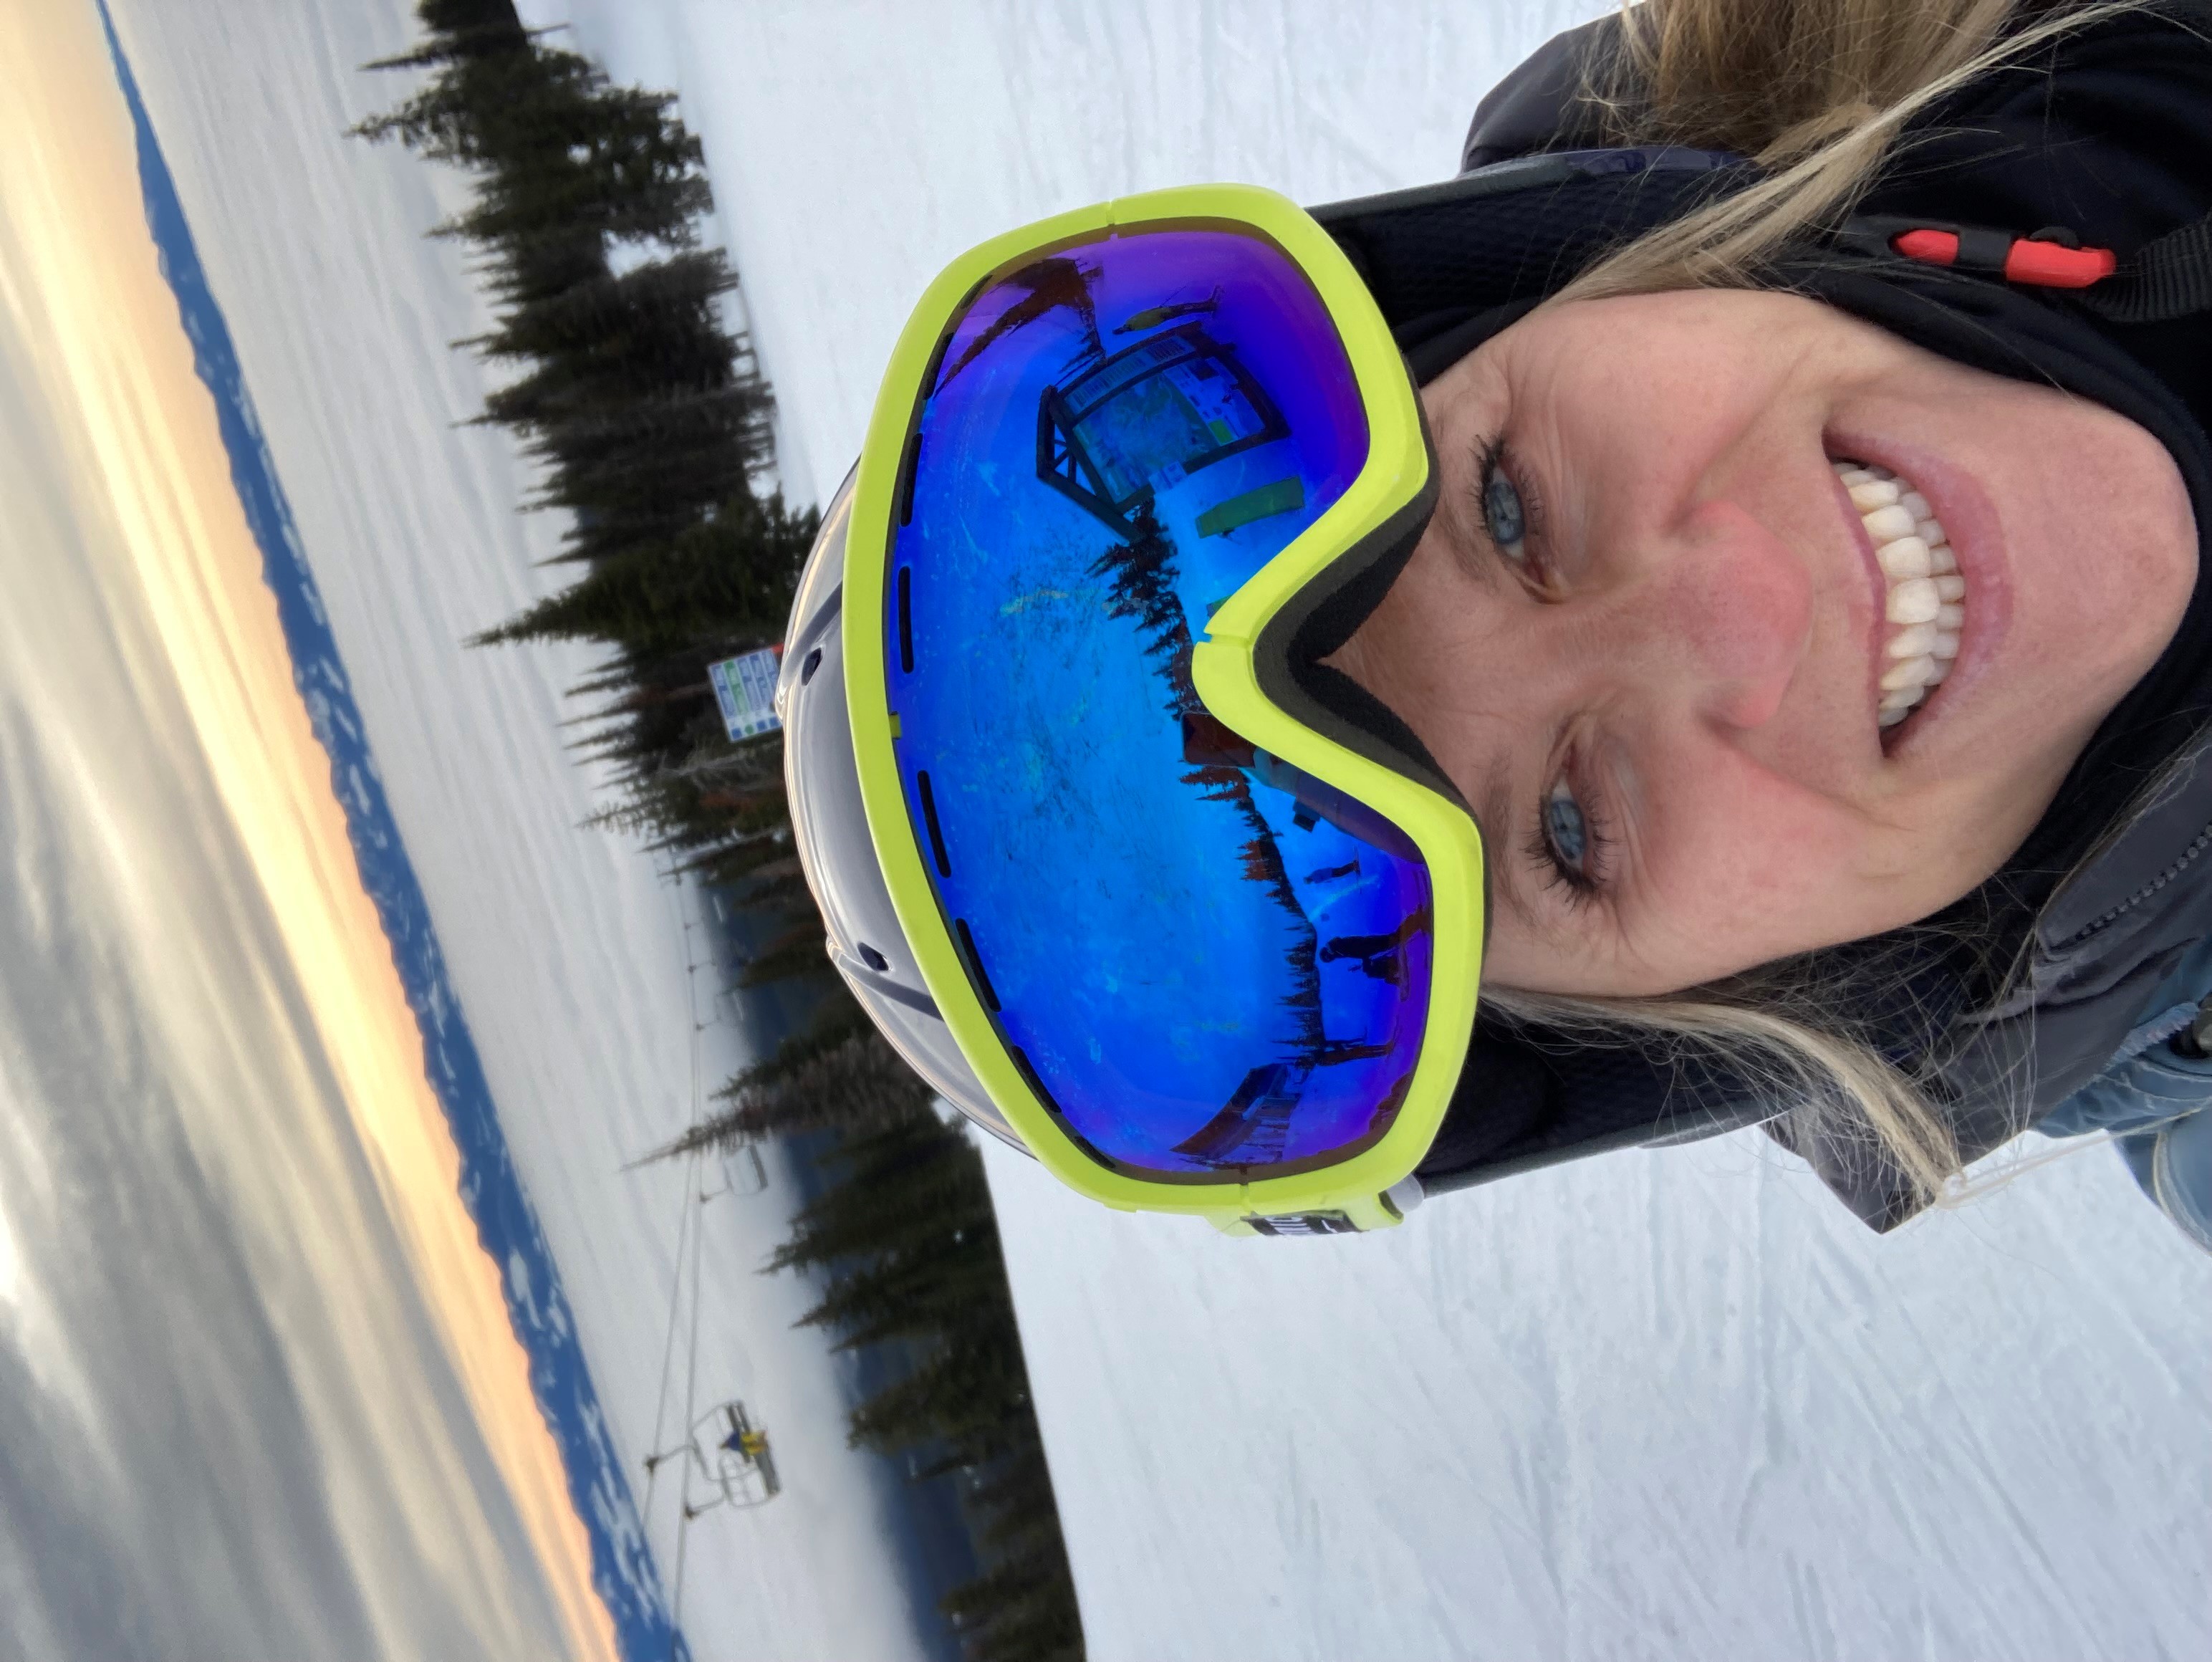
column 1726, row 618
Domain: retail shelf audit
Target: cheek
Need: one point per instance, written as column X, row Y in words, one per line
column 1740, row 867
column 1724, row 867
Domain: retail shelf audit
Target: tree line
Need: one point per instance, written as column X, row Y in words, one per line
column 650, row 423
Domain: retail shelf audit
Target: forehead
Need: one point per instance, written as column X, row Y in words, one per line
column 1620, row 334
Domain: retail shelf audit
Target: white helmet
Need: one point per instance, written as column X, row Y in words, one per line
column 830, row 827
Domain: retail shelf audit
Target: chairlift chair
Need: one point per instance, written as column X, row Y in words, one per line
column 740, row 1172
column 730, row 1458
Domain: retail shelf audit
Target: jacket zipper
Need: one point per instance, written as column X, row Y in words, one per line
column 2188, row 854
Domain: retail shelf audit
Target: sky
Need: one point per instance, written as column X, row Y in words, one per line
column 581, row 990
column 258, row 1391
column 569, row 996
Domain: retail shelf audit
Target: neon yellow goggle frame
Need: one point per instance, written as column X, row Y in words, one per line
column 1046, row 276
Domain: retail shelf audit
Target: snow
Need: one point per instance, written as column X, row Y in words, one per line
column 1660, row 1405
column 1653, row 1404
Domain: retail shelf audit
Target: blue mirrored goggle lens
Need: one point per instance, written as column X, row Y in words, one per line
column 1208, row 964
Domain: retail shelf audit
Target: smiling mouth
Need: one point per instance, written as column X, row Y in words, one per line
column 1926, row 594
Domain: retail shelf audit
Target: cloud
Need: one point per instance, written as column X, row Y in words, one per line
column 259, row 1396
column 230, row 1425
column 167, row 1500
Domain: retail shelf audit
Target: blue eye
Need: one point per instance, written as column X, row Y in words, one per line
column 1508, row 513
column 1567, row 830
column 1571, row 842
column 1501, row 513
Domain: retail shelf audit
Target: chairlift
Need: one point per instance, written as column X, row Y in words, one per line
column 726, row 1462
column 738, row 1172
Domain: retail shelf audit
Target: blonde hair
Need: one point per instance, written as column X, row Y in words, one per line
column 1817, row 92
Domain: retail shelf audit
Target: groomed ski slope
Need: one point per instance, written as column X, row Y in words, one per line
column 1652, row 1405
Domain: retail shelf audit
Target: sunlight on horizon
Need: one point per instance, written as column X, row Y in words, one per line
column 148, row 482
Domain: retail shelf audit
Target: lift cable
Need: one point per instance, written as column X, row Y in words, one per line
column 684, row 1223
column 691, row 1402
column 689, row 1230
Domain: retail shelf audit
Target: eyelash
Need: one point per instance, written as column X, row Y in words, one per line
column 1584, row 884
column 1491, row 459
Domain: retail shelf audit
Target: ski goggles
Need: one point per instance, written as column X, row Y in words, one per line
column 1209, row 949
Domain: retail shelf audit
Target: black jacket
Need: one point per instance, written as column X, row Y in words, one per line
column 2108, row 134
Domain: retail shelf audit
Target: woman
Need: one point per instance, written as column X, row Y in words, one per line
column 1813, row 631
column 2040, row 745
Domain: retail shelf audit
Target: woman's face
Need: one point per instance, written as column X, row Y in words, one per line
column 1646, row 632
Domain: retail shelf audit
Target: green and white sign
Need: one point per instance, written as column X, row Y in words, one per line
column 745, row 688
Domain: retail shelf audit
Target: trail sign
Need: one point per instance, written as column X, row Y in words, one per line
column 745, row 688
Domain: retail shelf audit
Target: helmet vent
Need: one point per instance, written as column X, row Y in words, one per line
column 929, row 818
column 874, row 959
column 981, row 976
column 806, row 670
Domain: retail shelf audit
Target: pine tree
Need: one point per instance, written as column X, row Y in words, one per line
column 914, row 1195
column 650, row 421
column 655, row 329
column 1014, row 1493
column 1044, row 1627
column 1001, row 1588
column 964, row 1394
column 839, row 1074
column 920, row 1299
column 497, row 98
column 728, row 581
column 631, row 173
column 797, row 953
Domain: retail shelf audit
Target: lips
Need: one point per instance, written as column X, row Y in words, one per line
column 1924, row 603
column 1969, row 522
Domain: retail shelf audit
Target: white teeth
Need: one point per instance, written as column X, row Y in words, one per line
column 1913, row 641
column 1887, row 525
column 1913, row 600
column 1912, row 673
column 1908, row 557
column 1926, row 600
